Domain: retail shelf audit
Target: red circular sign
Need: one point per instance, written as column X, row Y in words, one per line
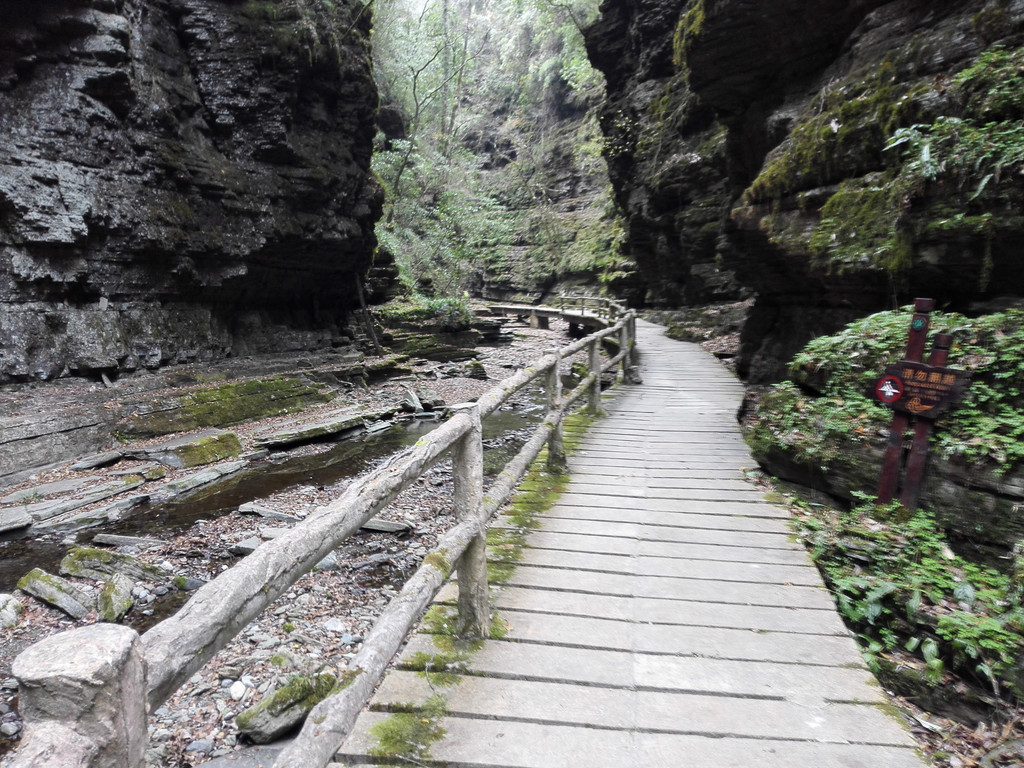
column 889, row 389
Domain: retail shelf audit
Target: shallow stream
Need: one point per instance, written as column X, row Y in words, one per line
column 504, row 433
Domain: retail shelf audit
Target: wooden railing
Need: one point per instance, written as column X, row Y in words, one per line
column 84, row 693
column 606, row 308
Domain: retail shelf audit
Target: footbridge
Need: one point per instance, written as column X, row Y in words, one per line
column 655, row 612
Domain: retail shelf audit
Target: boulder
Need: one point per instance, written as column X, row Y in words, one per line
column 101, row 564
column 55, row 591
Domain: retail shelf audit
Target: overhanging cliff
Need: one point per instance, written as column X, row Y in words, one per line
column 837, row 158
column 180, row 180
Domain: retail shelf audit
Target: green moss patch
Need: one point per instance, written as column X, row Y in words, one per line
column 409, row 735
column 223, row 405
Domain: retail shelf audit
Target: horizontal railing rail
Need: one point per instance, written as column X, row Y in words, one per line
column 124, row 672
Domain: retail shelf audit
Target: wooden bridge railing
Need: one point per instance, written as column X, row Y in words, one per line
column 605, row 308
column 84, row 693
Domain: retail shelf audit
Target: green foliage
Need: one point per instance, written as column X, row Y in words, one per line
column 447, row 314
column 988, row 426
column 899, row 585
column 473, row 187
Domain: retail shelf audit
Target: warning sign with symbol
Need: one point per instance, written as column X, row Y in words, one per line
column 920, row 389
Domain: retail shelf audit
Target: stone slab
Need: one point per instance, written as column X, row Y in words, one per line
column 304, row 430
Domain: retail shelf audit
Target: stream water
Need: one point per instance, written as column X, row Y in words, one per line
column 504, row 432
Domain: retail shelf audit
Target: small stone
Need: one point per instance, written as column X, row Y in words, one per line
column 238, row 690
column 162, row 734
column 335, row 625
column 200, row 745
column 161, row 590
column 9, row 729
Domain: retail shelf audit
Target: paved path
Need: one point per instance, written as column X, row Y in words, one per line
column 662, row 614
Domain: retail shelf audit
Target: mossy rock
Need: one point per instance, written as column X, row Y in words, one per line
column 115, row 599
column 284, row 709
column 222, row 405
column 101, row 564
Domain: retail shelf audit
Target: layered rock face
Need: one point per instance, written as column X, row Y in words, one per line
column 837, row 157
column 180, row 180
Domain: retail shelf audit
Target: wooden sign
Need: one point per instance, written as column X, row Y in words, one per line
column 918, row 390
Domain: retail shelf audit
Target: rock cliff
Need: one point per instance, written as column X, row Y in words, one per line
column 835, row 157
column 180, row 180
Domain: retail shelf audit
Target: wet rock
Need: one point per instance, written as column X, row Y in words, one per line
column 284, row 709
column 252, row 508
column 10, row 607
column 193, row 450
column 55, row 591
column 115, row 599
column 200, row 478
column 46, row 510
column 14, row 519
column 100, row 564
column 338, row 423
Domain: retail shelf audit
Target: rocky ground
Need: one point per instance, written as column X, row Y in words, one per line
column 321, row 621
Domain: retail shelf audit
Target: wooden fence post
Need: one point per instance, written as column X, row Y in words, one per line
column 82, row 694
column 468, row 471
column 594, row 406
column 556, row 451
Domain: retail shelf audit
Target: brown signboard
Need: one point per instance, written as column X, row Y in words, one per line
column 920, row 389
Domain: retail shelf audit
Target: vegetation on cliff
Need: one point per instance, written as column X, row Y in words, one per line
column 917, row 584
column 490, row 155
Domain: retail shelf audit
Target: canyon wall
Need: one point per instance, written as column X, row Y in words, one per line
column 180, row 180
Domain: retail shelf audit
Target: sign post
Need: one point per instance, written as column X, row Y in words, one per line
column 917, row 390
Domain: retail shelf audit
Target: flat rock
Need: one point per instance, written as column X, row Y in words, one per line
column 55, row 591
column 92, row 517
column 114, row 540
column 380, row 525
column 97, row 460
column 260, row 756
column 303, row 431
column 43, row 490
column 245, row 547
column 13, row 519
column 193, row 450
column 252, row 508
column 46, row 510
column 197, row 479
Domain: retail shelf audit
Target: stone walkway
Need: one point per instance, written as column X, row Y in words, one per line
column 662, row 615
